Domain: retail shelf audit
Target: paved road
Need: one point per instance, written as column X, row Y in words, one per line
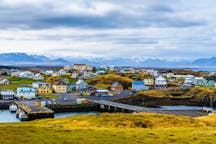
column 122, row 94
column 72, row 96
column 120, row 105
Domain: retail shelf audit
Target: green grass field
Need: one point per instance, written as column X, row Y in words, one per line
column 112, row 129
column 9, row 87
column 15, row 80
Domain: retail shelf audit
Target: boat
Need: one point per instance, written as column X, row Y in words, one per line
column 23, row 116
column 13, row 108
column 17, row 113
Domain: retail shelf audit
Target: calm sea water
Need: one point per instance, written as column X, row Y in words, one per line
column 6, row 116
column 203, row 69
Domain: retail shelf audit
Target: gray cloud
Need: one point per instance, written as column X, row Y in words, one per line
column 138, row 28
column 47, row 15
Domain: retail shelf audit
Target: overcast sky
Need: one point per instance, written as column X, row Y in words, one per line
column 168, row 29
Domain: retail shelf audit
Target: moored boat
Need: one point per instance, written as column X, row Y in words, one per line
column 23, row 116
column 13, row 108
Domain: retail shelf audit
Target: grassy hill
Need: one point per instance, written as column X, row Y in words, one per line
column 137, row 76
column 141, row 128
column 155, row 98
column 105, row 81
column 186, row 72
column 53, row 79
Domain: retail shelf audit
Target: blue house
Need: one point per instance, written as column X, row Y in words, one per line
column 139, row 85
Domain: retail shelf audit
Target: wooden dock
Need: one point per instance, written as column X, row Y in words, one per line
column 34, row 110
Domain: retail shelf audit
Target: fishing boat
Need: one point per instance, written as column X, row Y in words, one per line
column 23, row 116
column 17, row 113
column 13, row 108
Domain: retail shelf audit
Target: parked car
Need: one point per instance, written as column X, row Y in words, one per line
column 132, row 92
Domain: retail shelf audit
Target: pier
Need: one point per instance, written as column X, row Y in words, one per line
column 34, row 110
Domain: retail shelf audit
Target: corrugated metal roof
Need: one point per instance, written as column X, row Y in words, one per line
column 138, row 83
column 25, row 89
column 115, row 84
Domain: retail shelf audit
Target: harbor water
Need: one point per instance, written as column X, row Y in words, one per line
column 6, row 116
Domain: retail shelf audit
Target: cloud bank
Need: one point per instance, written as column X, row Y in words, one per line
column 113, row 28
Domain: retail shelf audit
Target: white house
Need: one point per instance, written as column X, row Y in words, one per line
column 26, row 92
column 152, row 72
column 15, row 74
column 48, row 72
column 38, row 76
column 26, row 74
column 160, row 83
column 169, row 75
column 89, row 68
column 100, row 72
column 67, row 67
column 139, row 85
column 198, row 80
column 194, row 81
column 127, row 70
column 62, row 72
column 37, row 85
column 74, row 75
column 88, row 75
column 149, row 81
column 182, row 76
column 189, row 81
column 81, row 85
column 100, row 92
column 7, row 94
column 4, row 82
column 55, row 74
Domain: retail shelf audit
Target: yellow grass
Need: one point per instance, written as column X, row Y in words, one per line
column 143, row 128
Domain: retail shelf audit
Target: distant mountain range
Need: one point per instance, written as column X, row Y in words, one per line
column 22, row 59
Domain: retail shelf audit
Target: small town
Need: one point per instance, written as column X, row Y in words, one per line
column 81, row 87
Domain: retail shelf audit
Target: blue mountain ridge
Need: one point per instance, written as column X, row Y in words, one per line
column 16, row 59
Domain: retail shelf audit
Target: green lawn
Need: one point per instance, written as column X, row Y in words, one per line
column 15, row 80
column 111, row 129
column 9, row 87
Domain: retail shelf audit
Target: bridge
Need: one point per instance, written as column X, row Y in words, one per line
column 118, row 107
